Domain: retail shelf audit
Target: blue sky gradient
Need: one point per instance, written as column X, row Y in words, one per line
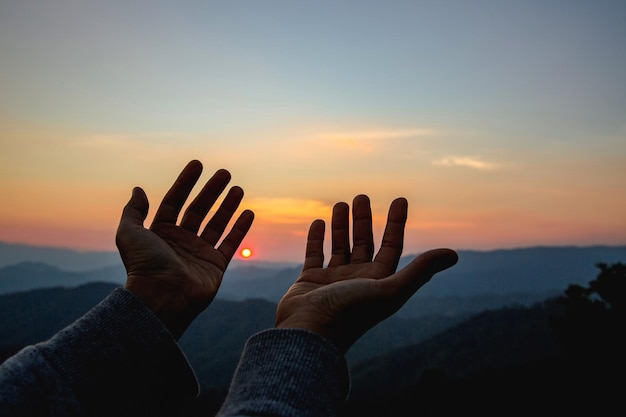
column 502, row 122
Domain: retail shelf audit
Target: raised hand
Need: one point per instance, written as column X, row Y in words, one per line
column 355, row 292
column 175, row 271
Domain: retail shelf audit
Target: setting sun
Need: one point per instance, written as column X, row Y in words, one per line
column 246, row 253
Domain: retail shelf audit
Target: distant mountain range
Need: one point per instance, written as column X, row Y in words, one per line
column 214, row 341
column 495, row 360
column 481, row 280
column 79, row 261
column 64, row 259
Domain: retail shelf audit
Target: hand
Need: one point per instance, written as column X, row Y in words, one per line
column 344, row 300
column 171, row 268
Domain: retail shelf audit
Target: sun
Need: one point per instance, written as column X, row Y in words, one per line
column 246, row 253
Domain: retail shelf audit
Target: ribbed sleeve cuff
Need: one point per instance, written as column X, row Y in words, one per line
column 120, row 353
column 288, row 372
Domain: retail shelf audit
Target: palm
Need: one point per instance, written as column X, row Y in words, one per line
column 168, row 251
column 348, row 296
column 327, row 282
column 355, row 292
column 170, row 267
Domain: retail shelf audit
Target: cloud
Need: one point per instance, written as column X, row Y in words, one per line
column 377, row 134
column 124, row 139
column 120, row 148
column 364, row 140
column 289, row 210
column 465, row 161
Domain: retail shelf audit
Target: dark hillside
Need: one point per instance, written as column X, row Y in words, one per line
column 559, row 355
column 565, row 355
column 33, row 316
column 490, row 340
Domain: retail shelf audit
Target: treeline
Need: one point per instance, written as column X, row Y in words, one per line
column 564, row 354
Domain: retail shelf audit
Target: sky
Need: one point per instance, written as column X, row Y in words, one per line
column 502, row 122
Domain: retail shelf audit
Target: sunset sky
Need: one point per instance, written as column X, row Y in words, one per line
column 502, row 122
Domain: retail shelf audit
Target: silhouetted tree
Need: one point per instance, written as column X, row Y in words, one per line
column 591, row 335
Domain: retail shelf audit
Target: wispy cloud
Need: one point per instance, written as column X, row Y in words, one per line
column 123, row 139
column 465, row 161
column 377, row 134
column 289, row 210
column 368, row 141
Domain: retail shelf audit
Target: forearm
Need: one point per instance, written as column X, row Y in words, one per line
column 118, row 355
column 288, row 373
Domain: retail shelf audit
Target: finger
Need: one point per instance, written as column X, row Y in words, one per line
column 233, row 239
column 133, row 214
column 390, row 250
column 177, row 195
column 340, row 229
column 362, row 236
column 404, row 283
column 216, row 226
column 200, row 206
column 314, row 255
column 136, row 210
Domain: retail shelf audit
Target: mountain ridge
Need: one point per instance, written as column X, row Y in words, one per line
column 401, row 365
column 480, row 280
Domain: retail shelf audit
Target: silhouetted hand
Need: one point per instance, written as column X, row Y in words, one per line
column 175, row 271
column 353, row 293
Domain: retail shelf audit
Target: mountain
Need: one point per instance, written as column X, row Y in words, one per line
column 489, row 340
column 535, row 273
column 252, row 282
column 77, row 261
column 480, row 281
column 64, row 259
column 507, row 361
column 214, row 341
column 241, row 284
column 492, row 362
column 33, row 316
column 25, row 276
column 522, row 270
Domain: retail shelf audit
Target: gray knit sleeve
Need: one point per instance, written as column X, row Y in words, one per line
column 117, row 358
column 288, row 372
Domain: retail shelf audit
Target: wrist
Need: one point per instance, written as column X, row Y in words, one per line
column 163, row 306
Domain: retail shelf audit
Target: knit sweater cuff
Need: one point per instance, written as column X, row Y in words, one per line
column 120, row 352
column 288, row 372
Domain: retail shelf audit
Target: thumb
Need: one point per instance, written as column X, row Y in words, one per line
column 136, row 209
column 437, row 260
column 421, row 269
